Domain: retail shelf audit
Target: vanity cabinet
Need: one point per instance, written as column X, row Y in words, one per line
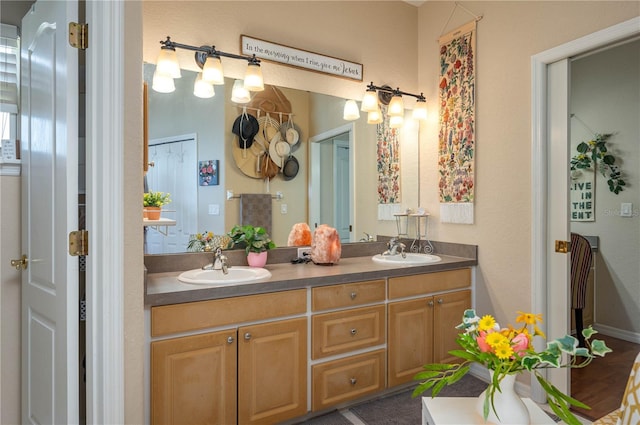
column 255, row 373
column 356, row 323
column 421, row 328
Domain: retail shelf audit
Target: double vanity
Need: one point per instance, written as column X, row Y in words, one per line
column 302, row 341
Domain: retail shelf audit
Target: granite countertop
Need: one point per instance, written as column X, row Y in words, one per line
column 163, row 287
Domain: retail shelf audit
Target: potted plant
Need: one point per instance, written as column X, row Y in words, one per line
column 153, row 202
column 255, row 241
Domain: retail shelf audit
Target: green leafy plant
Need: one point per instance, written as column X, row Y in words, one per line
column 507, row 351
column 155, row 199
column 595, row 152
column 253, row 239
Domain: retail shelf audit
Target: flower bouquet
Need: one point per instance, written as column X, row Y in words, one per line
column 507, row 351
column 207, row 241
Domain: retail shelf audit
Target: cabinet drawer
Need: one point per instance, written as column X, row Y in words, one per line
column 419, row 284
column 343, row 331
column 347, row 295
column 347, row 379
column 169, row 319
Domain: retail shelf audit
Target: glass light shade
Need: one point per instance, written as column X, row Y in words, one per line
column 168, row 63
column 369, row 101
column 239, row 94
column 420, row 110
column 253, row 78
column 396, row 121
column 374, row 117
column 396, row 106
column 212, row 70
column 162, row 83
column 351, row 111
column 203, row 88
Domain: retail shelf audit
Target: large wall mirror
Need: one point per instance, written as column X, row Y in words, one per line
column 336, row 183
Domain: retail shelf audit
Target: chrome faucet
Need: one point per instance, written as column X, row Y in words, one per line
column 367, row 238
column 393, row 245
column 220, row 262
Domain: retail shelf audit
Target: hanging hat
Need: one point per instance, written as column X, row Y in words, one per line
column 246, row 127
column 279, row 150
column 291, row 133
column 290, row 167
column 248, row 160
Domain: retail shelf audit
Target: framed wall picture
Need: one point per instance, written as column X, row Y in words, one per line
column 208, row 172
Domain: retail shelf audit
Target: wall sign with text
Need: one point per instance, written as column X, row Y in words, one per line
column 300, row 58
column 583, row 196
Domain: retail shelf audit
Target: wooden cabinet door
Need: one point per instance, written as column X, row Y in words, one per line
column 193, row 379
column 410, row 339
column 272, row 371
column 447, row 314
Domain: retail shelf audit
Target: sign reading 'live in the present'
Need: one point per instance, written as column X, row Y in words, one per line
column 300, row 58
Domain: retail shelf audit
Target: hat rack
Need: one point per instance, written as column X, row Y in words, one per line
column 230, row 195
column 260, row 111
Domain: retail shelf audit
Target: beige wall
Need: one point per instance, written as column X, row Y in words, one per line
column 508, row 35
column 10, row 290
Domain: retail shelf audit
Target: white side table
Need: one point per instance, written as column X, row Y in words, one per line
column 462, row 411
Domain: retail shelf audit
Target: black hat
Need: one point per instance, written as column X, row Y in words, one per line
column 290, row 167
column 245, row 127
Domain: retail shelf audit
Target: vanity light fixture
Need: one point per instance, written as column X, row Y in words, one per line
column 202, row 88
column 376, row 95
column 208, row 59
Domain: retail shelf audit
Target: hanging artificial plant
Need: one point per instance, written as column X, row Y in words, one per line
column 595, row 151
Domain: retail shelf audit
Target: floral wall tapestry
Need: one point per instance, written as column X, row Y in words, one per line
column 388, row 169
column 456, row 137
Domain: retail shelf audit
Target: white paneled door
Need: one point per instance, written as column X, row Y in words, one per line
column 49, row 114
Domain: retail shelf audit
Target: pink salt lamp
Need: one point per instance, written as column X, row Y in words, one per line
column 326, row 247
column 300, row 235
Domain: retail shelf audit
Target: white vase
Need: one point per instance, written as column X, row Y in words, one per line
column 507, row 403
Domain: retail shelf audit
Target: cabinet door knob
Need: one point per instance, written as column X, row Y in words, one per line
column 440, row 300
column 354, row 331
column 353, row 381
column 230, row 340
column 247, row 336
column 353, row 295
column 430, row 303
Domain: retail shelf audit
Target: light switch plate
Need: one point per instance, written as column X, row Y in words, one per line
column 283, row 209
column 626, row 209
column 214, row 209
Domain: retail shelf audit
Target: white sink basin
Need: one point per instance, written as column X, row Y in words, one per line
column 411, row 258
column 237, row 274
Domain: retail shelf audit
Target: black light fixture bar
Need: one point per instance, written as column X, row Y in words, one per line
column 203, row 51
column 397, row 91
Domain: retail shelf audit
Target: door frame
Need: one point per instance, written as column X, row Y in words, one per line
column 541, row 289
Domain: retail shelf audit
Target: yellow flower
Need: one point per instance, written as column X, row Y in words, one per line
column 198, row 235
column 538, row 332
column 209, row 235
column 504, row 350
column 486, row 323
column 494, row 339
column 528, row 318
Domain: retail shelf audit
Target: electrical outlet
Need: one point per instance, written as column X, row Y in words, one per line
column 304, row 252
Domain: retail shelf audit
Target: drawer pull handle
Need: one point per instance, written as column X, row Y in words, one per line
column 430, row 303
column 230, row 340
column 353, row 381
column 440, row 301
column 354, row 331
column 247, row 336
column 353, row 295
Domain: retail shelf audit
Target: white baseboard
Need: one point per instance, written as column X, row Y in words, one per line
column 617, row 333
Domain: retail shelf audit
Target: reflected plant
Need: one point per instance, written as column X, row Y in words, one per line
column 595, row 152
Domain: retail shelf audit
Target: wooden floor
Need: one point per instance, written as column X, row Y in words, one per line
column 601, row 384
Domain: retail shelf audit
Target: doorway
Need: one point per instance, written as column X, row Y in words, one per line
column 550, row 109
column 331, row 181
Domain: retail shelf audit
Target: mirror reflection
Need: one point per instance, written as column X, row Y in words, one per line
column 187, row 132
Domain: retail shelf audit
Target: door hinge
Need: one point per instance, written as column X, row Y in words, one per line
column 79, row 243
column 563, row 247
column 79, row 35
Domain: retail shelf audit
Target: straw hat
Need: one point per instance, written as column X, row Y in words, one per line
column 279, row 150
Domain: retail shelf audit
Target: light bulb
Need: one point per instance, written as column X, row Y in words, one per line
column 369, row 101
column 203, row 88
column 253, row 77
column 396, row 106
column 212, row 70
column 420, row 110
column 351, row 110
column 396, row 121
column 162, row 83
column 239, row 94
column 168, row 62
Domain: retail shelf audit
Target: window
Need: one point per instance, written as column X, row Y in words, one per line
column 9, row 87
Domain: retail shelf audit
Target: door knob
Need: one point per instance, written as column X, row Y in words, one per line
column 20, row 264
